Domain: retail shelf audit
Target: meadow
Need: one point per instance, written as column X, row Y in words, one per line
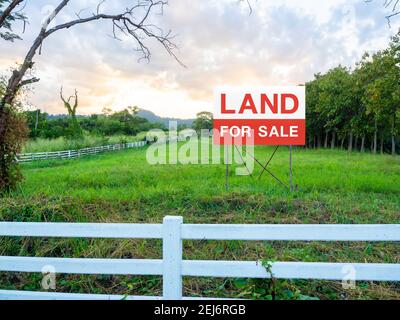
column 87, row 141
column 332, row 187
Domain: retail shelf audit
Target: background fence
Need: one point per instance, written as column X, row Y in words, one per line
column 69, row 154
column 172, row 268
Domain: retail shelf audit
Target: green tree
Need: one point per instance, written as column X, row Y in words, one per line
column 128, row 121
column 315, row 122
column 12, row 140
column 393, row 81
column 335, row 102
column 204, row 120
column 36, row 121
column 382, row 95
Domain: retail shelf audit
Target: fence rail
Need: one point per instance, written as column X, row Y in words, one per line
column 70, row 154
column 172, row 268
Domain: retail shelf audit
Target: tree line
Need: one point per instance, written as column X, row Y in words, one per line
column 108, row 123
column 357, row 108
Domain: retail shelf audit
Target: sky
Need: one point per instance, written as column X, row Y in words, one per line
column 282, row 42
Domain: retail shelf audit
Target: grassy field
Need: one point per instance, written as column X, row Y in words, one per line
column 60, row 144
column 333, row 187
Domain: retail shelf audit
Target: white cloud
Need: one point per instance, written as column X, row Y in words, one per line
column 281, row 42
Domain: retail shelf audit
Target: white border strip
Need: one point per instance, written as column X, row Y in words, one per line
column 287, row 232
column 283, row 232
column 83, row 265
column 292, row 270
column 207, row 268
column 86, row 230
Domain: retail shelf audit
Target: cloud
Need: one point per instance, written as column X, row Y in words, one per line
column 281, row 42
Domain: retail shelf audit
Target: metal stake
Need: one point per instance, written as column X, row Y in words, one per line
column 270, row 173
column 291, row 168
column 269, row 161
column 227, row 168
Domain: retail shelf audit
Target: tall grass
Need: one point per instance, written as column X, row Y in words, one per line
column 60, row 144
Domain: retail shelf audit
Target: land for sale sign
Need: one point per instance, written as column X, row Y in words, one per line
column 261, row 116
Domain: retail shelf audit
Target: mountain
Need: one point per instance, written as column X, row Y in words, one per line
column 149, row 115
column 152, row 117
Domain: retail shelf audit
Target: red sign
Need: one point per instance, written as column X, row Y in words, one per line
column 260, row 116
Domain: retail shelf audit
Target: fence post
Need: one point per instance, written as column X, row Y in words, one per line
column 172, row 258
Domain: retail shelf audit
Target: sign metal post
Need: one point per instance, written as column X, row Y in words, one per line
column 227, row 167
column 291, row 168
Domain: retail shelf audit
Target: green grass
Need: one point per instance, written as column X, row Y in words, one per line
column 333, row 187
column 61, row 144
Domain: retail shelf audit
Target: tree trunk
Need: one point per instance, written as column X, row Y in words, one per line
column 342, row 143
column 382, row 143
column 362, row 149
column 16, row 82
column 356, row 143
column 393, row 145
column 319, row 140
column 326, row 139
column 333, row 141
column 350, row 146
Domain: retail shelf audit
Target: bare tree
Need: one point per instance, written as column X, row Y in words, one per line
column 71, row 107
column 8, row 15
column 67, row 103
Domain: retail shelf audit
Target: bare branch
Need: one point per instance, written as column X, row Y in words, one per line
column 125, row 24
column 99, row 6
column 56, row 11
column 249, row 5
column 130, row 23
column 7, row 12
column 393, row 6
column 29, row 81
column 61, row 95
column 76, row 101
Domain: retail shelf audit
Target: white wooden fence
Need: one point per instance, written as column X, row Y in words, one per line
column 172, row 267
column 70, row 154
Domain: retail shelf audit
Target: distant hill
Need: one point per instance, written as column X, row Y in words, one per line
column 149, row 115
column 152, row 117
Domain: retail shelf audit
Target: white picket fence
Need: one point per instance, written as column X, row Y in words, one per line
column 172, row 267
column 70, row 154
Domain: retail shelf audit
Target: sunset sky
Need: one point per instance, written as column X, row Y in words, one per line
column 283, row 42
